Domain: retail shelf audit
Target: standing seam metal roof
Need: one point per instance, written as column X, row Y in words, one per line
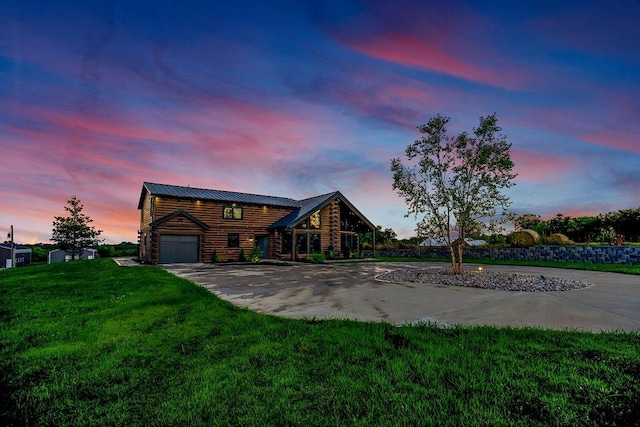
column 219, row 195
column 307, row 207
column 303, row 208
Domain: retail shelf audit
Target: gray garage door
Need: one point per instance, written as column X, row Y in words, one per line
column 176, row 248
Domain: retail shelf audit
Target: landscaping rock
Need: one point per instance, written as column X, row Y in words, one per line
column 483, row 279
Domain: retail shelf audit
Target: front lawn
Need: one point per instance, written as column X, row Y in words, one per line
column 91, row 343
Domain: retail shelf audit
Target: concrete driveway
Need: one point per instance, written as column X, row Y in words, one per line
column 352, row 291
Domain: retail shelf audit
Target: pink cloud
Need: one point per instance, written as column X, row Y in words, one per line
column 613, row 124
column 619, row 127
column 532, row 166
column 407, row 49
column 66, row 155
column 446, row 38
column 389, row 98
column 102, row 126
column 241, row 129
column 614, row 139
column 104, row 160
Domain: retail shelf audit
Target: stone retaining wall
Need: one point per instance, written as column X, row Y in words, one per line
column 596, row 254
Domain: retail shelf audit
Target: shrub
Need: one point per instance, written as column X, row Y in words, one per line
column 347, row 252
column 106, row 251
column 608, row 235
column 617, row 241
column 558, row 239
column 38, row 254
column 385, row 247
column 214, row 257
column 242, row 257
column 316, row 257
column 256, row 254
column 331, row 253
column 524, row 238
column 126, row 249
column 495, row 239
column 403, row 245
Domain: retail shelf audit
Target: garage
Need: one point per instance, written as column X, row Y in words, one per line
column 179, row 248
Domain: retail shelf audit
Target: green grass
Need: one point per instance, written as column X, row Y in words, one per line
column 90, row 343
column 609, row 268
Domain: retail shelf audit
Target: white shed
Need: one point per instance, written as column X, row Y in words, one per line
column 61, row 255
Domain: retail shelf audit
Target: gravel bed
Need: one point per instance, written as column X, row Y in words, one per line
column 483, row 279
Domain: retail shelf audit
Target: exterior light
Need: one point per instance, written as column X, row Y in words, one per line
column 480, row 269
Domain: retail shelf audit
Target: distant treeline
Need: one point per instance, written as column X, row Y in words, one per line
column 605, row 228
column 40, row 251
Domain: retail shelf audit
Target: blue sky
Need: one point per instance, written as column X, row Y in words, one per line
column 297, row 98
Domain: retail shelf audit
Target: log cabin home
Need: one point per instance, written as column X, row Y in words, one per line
column 185, row 224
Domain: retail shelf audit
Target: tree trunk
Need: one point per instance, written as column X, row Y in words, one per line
column 459, row 266
column 453, row 258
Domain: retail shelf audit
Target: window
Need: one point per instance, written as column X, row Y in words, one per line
column 350, row 240
column 233, row 240
column 302, row 243
column 306, row 243
column 286, row 243
column 313, row 222
column 314, row 243
column 232, row 212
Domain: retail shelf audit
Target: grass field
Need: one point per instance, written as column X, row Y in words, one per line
column 90, row 343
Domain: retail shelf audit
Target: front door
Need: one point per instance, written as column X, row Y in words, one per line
column 263, row 243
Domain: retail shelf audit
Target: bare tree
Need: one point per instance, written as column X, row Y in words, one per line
column 455, row 182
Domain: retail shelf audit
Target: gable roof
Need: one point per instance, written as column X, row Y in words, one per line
column 302, row 208
column 183, row 213
column 218, row 195
column 307, row 207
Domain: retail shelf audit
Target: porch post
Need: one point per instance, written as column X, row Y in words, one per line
column 293, row 244
column 373, row 231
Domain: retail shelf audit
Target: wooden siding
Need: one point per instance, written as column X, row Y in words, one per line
column 146, row 214
column 334, row 225
column 146, row 217
column 255, row 222
column 329, row 232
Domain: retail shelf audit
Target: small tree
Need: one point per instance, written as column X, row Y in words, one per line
column 455, row 182
column 74, row 232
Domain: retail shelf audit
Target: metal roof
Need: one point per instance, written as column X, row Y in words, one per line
column 7, row 245
column 219, row 195
column 307, row 207
column 302, row 208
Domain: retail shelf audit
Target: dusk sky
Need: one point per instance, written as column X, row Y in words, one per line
column 300, row 98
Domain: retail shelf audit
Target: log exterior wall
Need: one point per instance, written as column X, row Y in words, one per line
column 254, row 223
column 171, row 215
column 146, row 217
column 334, row 226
